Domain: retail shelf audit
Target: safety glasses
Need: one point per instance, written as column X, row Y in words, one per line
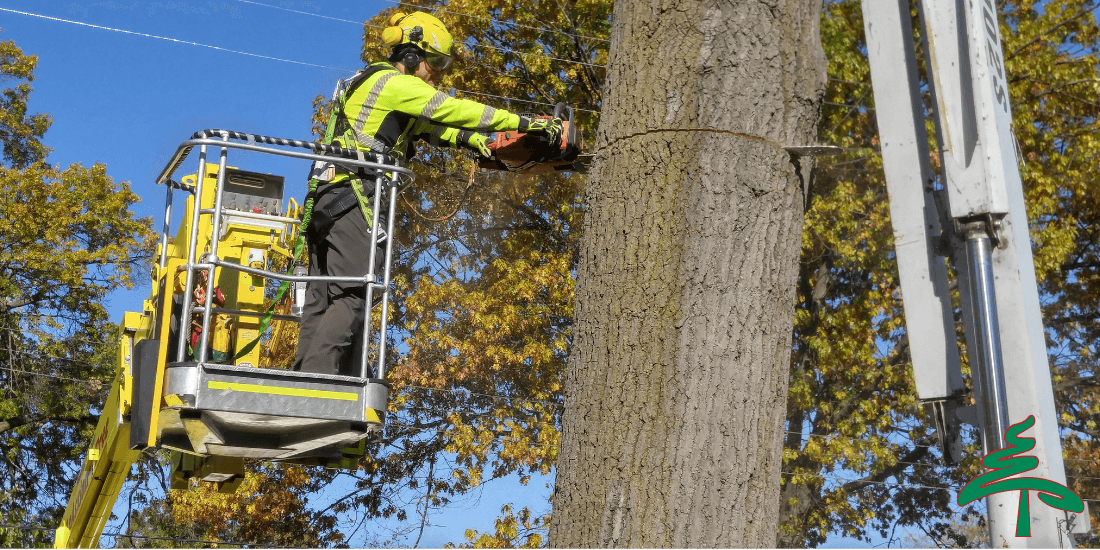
column 438, row 62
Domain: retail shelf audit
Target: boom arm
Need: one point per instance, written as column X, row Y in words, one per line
column 109, row 458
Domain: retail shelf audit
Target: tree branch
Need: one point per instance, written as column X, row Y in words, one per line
column 1078, row 15
column 21, row 420
column 13, row 422
column 1078, row 426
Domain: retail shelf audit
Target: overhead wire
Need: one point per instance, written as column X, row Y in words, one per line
column 835, row 436
column 841, row 80
column 194, row 541
column 40, row 357
column 261, row 56
column 364, row 23
column 66, row 339
column 516, row 52
column 42, row 374
column 284, row 8
column 188, row 42
column 1088, row 461
column 145, row 537
column 272, row 58
column 518, row 99
column 500, row 437
column 887, row 483
column 489, row 395
column 542, row 29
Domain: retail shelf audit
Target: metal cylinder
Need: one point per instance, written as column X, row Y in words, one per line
column 989, row 368
column 211, row 279
column 298, row 298
column 189, row 285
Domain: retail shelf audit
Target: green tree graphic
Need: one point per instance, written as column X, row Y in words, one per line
column 1003, row 464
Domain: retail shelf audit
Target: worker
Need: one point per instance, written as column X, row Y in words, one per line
column 385, row 108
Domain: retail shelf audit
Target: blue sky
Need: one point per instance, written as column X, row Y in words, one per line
column 128, row 101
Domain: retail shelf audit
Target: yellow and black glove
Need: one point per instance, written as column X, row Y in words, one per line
column 478, row 143
column 552, row 128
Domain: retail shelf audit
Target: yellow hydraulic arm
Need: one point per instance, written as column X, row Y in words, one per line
column 113, row 451
column 109, row 458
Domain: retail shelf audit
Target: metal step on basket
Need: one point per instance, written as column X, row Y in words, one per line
column 223, row 410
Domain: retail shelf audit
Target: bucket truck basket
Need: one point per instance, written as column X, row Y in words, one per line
column 197, row 386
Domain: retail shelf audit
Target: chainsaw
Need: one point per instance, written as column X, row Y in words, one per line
column 525, row 153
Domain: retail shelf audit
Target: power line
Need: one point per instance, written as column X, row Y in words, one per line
column 886, row 483
column 197, row 541
column 831, row 79
column 26, row 528
column 506, row 50
column 187, row 42
column 10, row 369
column 495, row 436
column 1085, row 460
column 848, row 105
column 542, row 29
column 64, row 339
column 399, row 3
column 145, row 537
column 834, row 436
column 45, row 358
column 516, row 99
column 489, row 395
column 304, row 13
column 124, row 31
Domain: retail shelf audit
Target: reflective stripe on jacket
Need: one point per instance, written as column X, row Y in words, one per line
column 395, row 110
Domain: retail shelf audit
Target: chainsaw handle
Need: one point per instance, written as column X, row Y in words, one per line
column 570, row 139
column 562, row 107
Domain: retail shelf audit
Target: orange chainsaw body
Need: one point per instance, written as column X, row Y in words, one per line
column 524, row 153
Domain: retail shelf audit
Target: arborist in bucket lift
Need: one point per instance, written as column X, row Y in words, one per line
column 386, row 108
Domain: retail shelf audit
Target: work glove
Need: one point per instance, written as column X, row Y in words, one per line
column 478, row 143
column 552, row 128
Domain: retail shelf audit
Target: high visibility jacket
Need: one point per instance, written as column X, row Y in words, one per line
column 391, row 111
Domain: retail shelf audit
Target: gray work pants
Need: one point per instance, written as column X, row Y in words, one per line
column 331, row 333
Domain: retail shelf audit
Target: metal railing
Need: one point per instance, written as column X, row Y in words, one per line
column 387, row 179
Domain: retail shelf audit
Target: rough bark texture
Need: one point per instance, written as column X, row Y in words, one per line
column 677, row 383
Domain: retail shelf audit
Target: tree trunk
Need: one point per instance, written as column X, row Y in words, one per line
column 676, row 388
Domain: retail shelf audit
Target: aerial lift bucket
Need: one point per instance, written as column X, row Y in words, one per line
column 188, row 378
column 205, row 402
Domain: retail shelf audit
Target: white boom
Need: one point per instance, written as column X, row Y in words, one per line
column 975, row 218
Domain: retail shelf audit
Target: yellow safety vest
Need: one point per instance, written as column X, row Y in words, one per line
column 388, row 112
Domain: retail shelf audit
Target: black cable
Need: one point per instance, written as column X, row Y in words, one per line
column 173, row 40
column 196, row 541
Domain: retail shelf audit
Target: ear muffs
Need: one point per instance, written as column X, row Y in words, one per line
column 411, row 60
column 412, row 57
column 393, row 35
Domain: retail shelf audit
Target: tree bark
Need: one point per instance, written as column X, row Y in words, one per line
column 676, row 388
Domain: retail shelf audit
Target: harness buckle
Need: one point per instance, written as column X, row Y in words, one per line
column 323, row 171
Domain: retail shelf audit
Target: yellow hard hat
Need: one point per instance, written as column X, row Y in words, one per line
column 422, row 30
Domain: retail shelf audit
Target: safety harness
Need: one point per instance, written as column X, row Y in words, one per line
column 338, row 125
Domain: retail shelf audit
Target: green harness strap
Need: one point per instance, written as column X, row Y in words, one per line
column 300, row 242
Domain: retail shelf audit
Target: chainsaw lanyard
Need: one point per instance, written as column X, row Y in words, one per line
column 307, row 208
